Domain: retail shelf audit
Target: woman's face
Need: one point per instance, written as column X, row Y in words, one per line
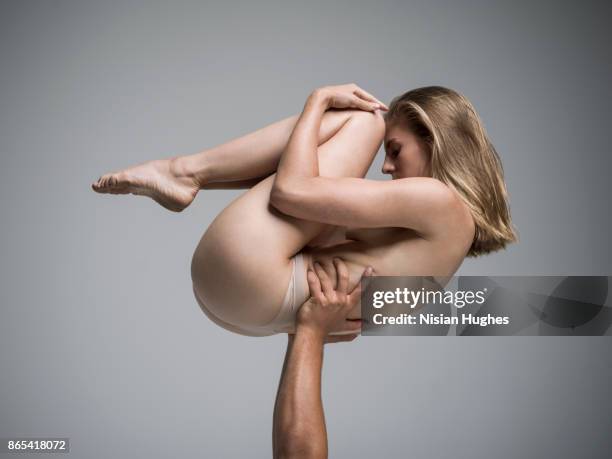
column 405, row 154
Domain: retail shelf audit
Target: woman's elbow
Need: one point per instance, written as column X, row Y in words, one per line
column 285, row 198
column 279, row 197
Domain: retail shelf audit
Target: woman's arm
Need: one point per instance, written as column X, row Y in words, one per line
column 299, row 160
column 300, row 156
column 419, row 203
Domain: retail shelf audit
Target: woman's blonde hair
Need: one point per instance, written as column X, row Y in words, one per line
column 462, row 157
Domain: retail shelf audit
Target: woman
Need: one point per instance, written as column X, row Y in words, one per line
column 447, row 200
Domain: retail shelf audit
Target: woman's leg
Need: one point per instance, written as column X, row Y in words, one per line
column 238, row 163
column 242, row 264
column 222, row 324
column 254, row 155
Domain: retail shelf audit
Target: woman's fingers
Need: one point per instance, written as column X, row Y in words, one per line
column 315, row 286
column 352, row 96
column 369, row 97
column 342, row 276
column 365, row 105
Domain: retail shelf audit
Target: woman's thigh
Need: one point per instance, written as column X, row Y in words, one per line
column 242, row 265
column 226, row 325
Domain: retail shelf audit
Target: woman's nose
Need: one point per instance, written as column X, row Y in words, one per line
column 387, row 167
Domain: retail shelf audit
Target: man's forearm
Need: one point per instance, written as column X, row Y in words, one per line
column 299, row 422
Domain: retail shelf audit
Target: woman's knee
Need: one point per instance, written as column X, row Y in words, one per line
column 351, row 151
column 372, row 121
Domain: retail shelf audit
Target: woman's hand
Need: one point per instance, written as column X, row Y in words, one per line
column 348, row 96
column 327, row 309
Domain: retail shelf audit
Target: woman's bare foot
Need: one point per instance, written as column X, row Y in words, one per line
column 163, row 180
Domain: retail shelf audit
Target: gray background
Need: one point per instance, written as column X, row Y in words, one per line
column 100, row 337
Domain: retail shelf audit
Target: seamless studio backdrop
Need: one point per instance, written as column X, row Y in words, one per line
column 101, row 339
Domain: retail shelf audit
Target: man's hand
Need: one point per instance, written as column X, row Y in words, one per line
column 299, row 424
column 327, row 309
